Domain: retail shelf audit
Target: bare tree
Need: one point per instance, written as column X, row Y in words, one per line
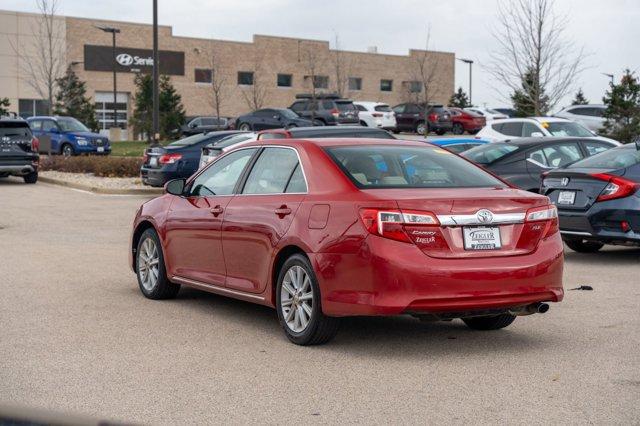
column 218, row 82
column 342, row 68
column 312, row 64
column 46, row 56
column 532, row 54
column 423, row 74
column 255, row 95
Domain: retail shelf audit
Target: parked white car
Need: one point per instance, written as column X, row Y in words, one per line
column 213, row 150
column 590, row 116
column 512, row 128
column 376, row 114
column 488, row 113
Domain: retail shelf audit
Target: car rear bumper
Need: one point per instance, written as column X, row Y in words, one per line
column 446, row 126
column 603, row 222
column 391, row 278
column 157, row 177
column 18, row 170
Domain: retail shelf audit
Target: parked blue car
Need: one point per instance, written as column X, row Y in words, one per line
column 458, row 145
column 67, row 136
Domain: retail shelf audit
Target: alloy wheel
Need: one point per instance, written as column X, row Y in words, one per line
column 296, row 299
column 149, row 264
column 421, row 129
column 67, row 151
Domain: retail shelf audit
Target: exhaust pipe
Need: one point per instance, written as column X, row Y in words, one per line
column 534, row 308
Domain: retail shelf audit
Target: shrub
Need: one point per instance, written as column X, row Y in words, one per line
column 99, row 166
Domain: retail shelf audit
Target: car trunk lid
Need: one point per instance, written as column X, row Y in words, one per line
column 576, row 189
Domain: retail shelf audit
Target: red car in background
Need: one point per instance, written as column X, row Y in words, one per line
column 466, row 121
column 325, row 228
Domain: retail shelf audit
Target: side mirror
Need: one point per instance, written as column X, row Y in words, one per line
column 175, row 187
column 193, row 125
column 537, row 135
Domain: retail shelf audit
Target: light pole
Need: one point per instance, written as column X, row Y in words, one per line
column 610, row 76
column 470, row 62
column 156, row 75
column 113, row 32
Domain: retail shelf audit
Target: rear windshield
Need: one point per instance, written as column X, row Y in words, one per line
column 488, row 153
column 13, row 129
column 345, row 106
column 232, row 140
column 189, row 140
column 383, row 108
column 616, row 158
column 372, row 167
column 561, row 128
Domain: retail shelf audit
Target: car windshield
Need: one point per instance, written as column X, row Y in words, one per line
column 616, row 158
column 12, row 129
column 72, row 125
column 566, row 128
column 232, row 140
column 488, row 153
column 372, row 167
column 287, row 113
column 189, row 140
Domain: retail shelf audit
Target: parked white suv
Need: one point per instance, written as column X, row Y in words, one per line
column 488, row 113
column 511, row 128
column 590, row 116
column 376, row 114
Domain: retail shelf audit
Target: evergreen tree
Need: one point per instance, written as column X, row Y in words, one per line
column 524, row 99
column 459, row 99
column 71, row 100
column 170, row 108
column 623, row 109
column 580, row 99
column 4, row 106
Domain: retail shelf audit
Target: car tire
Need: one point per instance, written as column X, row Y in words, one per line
column 422, row 129
column 31, row 178
column 363, row 123
column 489, row 323
column 474, row 132
column 298, row 301
column 150, row 259
column 582, row 246
column 457, row 129
column 395, row 131
column 67, row 150
column 245, row 127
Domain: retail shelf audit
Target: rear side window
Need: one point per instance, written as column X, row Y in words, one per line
column 556, row 155
column 488, row 153
column 14, row 129
column 345, row 106
column 383, row 108
column 272, row 172
column 594, row 148
column 360, row 108
column 511, row 129
column 616, row 158
column 298, row 106
column 327, row 104
column 371, row 167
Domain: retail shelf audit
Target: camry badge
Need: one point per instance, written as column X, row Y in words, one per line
column 484, row 216
column 5, row 139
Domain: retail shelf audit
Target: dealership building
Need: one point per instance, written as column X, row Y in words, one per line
column 270, row 69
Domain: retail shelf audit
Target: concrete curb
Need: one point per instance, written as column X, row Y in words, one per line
column 98, row 190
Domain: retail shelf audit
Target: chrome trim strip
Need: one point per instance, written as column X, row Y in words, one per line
column 214, row 288
column 16, row 169
column 588, row 234
column 472, row 219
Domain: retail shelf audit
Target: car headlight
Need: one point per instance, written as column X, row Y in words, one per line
column 81, row 141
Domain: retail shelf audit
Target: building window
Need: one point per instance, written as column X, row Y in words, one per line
column 245, row 78
column 31, row 107
column 386, row 85
column 104, row 110
column 203, row 75
column 319, row 81
column 413, row 86
column 284, row 80
column 355, row 83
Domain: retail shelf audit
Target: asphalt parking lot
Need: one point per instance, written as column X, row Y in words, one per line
column 77, row 336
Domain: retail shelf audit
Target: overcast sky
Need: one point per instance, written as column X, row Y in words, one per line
column 609, row 30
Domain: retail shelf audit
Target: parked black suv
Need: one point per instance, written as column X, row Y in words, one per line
column 270, row 118
column 18, row 150
column 326, row 110
column 196, row 125
column 412, row 117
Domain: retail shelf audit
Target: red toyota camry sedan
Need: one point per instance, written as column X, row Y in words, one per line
column 322, row 229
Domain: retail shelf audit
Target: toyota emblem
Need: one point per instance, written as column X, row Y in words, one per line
column 484, row 216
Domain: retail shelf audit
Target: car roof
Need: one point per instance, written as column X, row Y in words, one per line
column 453, row 141
column 547, row 139
column 331, row 142
column 333, row 129
column 370, row 103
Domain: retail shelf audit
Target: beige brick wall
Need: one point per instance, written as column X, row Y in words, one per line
column 273, row 54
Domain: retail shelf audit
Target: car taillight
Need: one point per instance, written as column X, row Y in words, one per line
column 391, row 223
column 547, row 216
column 617, row 187
column 35, row 145
column 433, row 117
column 169, row 158
column 335, row 112
column 377, row 114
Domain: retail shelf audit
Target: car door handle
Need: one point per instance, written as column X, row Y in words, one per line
column 283, row 211
column 216, row 210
